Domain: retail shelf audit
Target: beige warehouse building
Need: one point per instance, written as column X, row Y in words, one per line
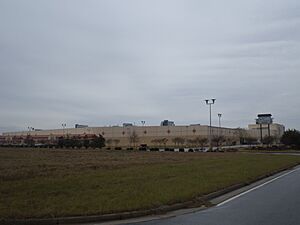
column 149, row 135
column 276, row 130
column 155, row 136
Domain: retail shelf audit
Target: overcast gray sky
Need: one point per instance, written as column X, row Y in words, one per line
column 106, row 62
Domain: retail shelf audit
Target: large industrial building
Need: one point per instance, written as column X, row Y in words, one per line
column 167, row 134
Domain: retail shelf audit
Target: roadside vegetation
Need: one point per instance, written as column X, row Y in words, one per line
column 67, row 141
column 54, row 183
column 291, row 138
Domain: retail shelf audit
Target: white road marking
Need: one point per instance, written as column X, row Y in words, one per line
column 259, row 186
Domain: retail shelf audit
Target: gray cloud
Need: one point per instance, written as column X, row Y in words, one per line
column 107, row 62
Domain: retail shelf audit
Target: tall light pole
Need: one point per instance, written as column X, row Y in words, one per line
column 210, row 102
column 219, row 115
column 63, row 126
column 144, row 132
column 30, row 129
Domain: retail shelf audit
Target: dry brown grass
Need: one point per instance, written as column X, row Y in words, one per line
column 23, row 163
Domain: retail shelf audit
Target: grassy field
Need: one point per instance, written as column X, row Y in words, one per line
column 53, row 183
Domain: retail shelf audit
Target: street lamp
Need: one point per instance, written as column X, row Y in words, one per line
column 219, row 115
column 210, row 102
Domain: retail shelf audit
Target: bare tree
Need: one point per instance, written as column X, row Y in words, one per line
column 230, row 141
column 268, row 140
column 191, row 142
column 178, row 141
column 116, row 142
column 243, row 135
column 201, row 141
column 160, row 142
column 155, row 142
column 109, row 142
column 164, row 141
column 29, row 141
column 218, row 140
column 133, row 139
column 196, row 142
column 250, row 140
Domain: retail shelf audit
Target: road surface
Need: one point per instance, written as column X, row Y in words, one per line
column 276, row 202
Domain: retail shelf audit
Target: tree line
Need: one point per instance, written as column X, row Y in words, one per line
column 291, row 138
column 68, row 141
column 74, row 142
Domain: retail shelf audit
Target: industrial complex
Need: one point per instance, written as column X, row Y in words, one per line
column 166, row 135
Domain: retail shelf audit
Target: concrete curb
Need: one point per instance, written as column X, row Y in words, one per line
column 141, row 213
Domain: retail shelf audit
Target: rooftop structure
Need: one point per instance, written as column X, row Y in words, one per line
column 264, row 119
column 80, row 126
column 167, row 123
column 127, row 124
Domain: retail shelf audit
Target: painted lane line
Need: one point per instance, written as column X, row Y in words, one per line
column 259, row 186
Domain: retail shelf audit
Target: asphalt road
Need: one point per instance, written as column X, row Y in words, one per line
column 274, row 203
